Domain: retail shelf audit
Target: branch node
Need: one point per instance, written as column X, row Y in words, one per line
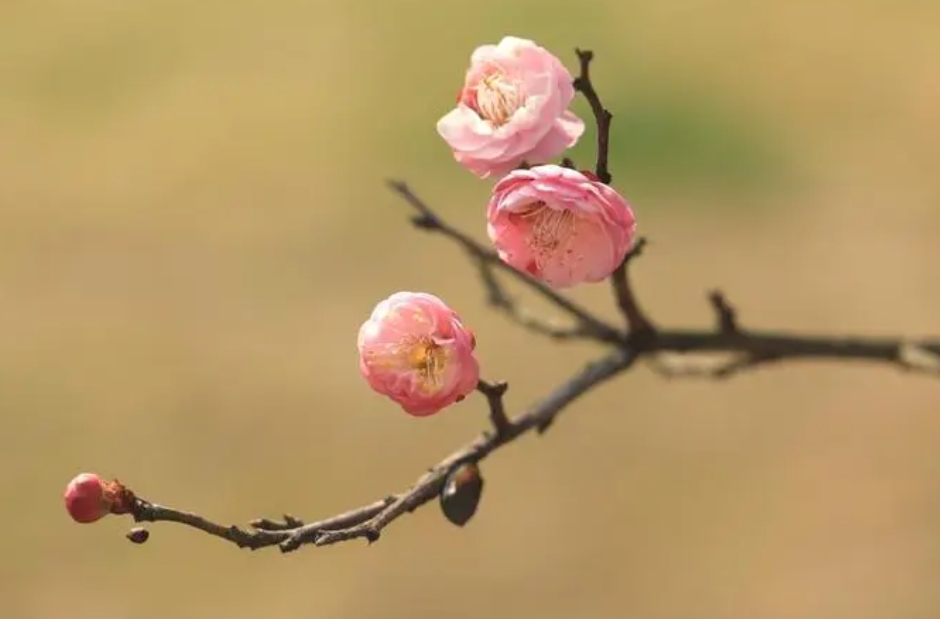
column 494, row 393
column 725, row 314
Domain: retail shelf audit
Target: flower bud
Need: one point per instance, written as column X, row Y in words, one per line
column 86, row 499
column 461, row 493
column 138, row 535
column 417, row 351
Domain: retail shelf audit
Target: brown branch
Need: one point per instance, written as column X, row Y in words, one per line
column 602, row 115
column 751, row 349
column 498, row 298
column 494, row 393
column 726, row 316
column 639, row 326
column 457, row 477
column 589, row 325
column 370, row 520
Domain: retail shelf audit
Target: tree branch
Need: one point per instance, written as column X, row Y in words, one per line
column 638, row 325
column 457, row 476
column 751, row 349
column 588, row 324
column 370, row 520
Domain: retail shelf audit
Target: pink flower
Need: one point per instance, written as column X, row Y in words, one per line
column 87, row 498
column 513, row 107
column 415, row 350
column 562, row 226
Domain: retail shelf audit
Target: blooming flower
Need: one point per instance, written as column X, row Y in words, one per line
column 560, row 225
column 416, row 350
column 513, row 107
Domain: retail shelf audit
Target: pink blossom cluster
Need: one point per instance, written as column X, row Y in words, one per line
column 561, row 226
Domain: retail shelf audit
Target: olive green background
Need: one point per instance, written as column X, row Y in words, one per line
column 193, row 226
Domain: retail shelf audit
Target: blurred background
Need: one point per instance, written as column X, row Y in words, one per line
column 193, row 225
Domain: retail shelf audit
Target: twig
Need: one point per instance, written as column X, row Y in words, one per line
column 639, row 326
column 761, row 347
column 426, row 219
column 369, row 521
column 498, row 298
column 602, row 115
column 494, row 393
column 726, row 316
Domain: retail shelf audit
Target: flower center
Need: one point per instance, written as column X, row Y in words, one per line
column 549, row 229
column 428, row 359
column 497, row 98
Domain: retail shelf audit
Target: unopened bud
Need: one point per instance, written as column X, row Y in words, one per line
column 138, row 535
column 461, row 493
column 86, row 499
column 89, row 498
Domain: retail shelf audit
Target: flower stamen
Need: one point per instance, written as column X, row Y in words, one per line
column 497, row 98
column 428, row 359
column 549, row 228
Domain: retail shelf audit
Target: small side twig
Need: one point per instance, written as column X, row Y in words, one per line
column 640, row 327
column 602, row 115
column 725, row 314
column 494, row 393
column 497, row 297
column 427, row 219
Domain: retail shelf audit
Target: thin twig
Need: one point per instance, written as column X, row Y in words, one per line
column 602, row 115
column 427, row 219
column 494, row 393
column 640, row 327
column 725, row 314
column 497, row 297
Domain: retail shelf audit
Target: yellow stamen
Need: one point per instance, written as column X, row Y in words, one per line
column 428, row 359
column 497, row 98
column 419, row 354
column 549, row 229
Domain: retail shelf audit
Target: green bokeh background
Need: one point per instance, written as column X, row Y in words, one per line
column 194, row 225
